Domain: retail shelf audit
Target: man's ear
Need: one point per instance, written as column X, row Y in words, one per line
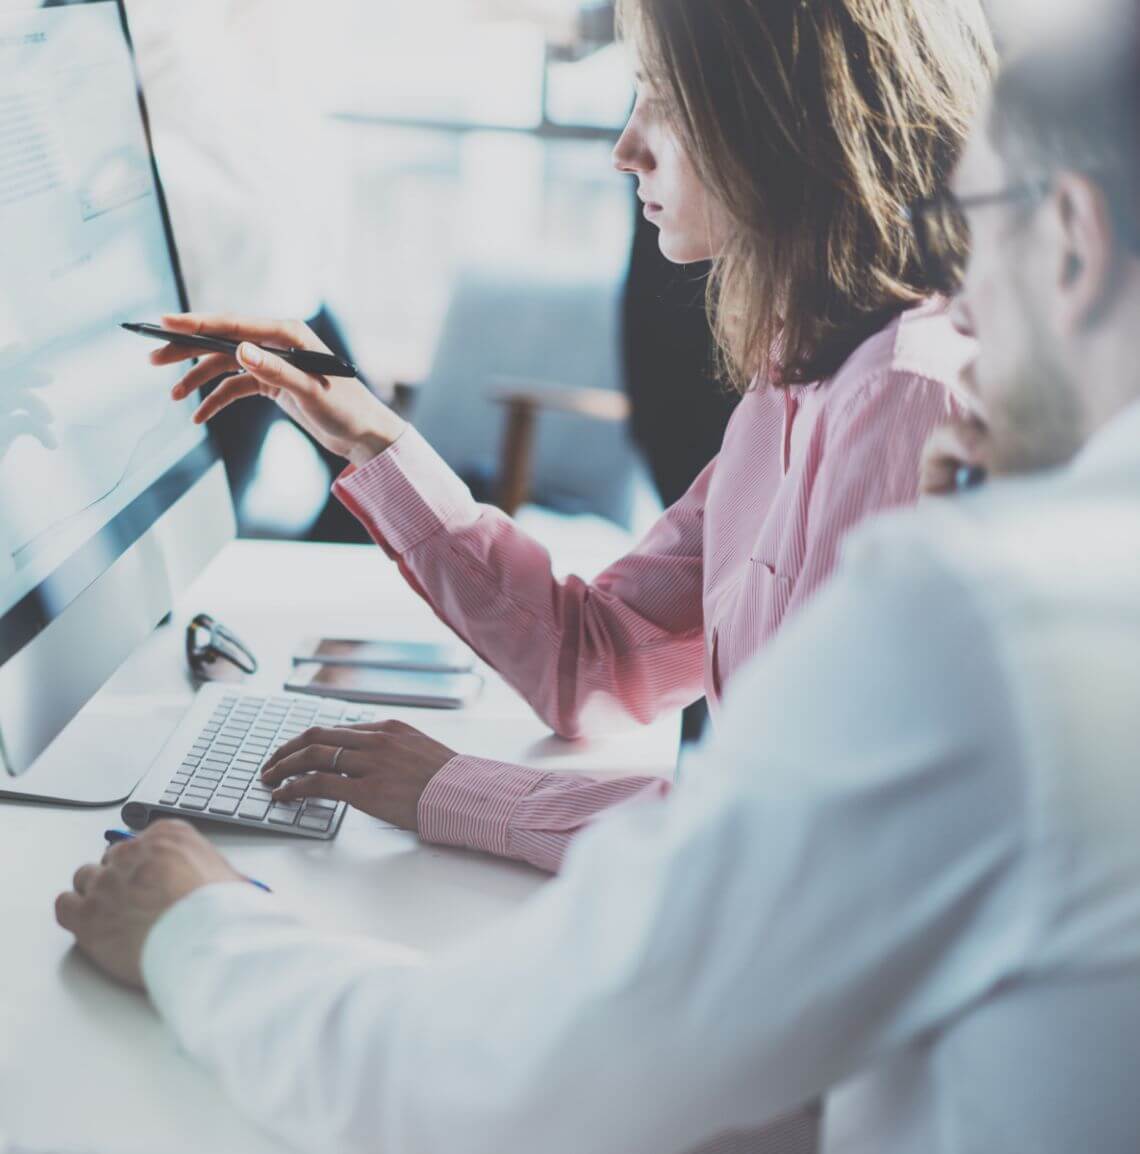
column 1086, row 268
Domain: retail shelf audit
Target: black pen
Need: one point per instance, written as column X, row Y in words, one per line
column 320, row 364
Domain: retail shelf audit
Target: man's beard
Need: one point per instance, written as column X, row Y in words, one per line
column 1040, row 424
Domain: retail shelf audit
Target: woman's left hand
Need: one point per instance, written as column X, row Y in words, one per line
column 381, row 769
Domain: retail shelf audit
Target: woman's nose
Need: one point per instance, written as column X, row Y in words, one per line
column 630, row 154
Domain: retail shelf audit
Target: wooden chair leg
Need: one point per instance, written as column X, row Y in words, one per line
column 517, row 456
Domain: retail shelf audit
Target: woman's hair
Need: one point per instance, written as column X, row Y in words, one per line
column 813, row 123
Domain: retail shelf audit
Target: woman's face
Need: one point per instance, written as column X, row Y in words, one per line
column 690, row 221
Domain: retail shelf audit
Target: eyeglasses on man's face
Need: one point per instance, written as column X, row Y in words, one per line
column 942, row 230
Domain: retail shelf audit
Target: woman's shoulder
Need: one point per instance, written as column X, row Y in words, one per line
column 920, row 346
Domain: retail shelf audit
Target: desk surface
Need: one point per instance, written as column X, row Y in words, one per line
column 86, row 1066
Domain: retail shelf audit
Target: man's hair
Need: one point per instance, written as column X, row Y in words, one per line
column 814, row 123
column 1077, row 108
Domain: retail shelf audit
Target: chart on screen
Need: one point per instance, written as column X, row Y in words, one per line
column 84, row 244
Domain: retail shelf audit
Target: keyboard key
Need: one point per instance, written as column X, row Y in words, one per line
column 227, row 806
column 322, row 803
column 253, row 810
column 194, row 803
column 315, row 821
column 231, row 790
column 183, row 775
column 176, row 786
column 209, row 775
column 169, row 798
column 282, row 815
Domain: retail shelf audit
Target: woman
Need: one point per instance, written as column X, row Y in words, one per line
column 783, row 141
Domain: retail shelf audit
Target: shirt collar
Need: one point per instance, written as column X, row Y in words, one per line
column 1115, row 445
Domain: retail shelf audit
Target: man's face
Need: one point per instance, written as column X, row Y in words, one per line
column 1019, row 380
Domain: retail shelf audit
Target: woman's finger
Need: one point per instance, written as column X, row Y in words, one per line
column 383, row 727
column 322, row 760
column 318, row 735
column 173, row 354
column 231, row 390
column 284, row 334
column 318, row 785
column 208, row 369
column 277, row 372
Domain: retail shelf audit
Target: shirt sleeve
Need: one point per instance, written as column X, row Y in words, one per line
column 529, row 815
column 628, row 645
column 842, row 872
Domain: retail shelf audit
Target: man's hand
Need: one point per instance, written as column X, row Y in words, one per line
column 381, row 769
column 959, row 444
column 114, row 906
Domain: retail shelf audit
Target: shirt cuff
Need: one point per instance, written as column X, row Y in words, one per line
column 470, row 803
column 405, row 494
column 175, row 944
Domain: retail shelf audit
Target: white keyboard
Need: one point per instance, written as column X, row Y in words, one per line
column 210, row 769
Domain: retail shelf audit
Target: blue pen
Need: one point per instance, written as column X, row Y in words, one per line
column 114, row 836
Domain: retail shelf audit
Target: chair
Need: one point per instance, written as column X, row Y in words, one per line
column 545, row 348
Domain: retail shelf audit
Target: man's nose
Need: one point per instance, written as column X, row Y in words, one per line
column 960, row 315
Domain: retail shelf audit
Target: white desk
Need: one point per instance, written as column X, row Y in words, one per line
column 85, row 1065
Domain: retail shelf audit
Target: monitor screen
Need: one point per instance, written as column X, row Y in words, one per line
column 92, row 449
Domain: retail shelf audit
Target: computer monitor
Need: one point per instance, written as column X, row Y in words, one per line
column 111, row 499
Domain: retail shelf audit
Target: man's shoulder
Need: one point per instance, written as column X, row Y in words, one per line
column 1037, row 542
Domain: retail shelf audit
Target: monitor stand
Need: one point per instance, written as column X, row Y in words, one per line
column 64, row 774
column 64, row 740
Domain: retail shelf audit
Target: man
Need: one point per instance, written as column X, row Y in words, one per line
column 913, row 881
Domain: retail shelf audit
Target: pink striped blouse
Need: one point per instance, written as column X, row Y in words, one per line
column 750, row 542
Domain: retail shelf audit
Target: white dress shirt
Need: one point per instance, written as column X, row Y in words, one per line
column 908, row 878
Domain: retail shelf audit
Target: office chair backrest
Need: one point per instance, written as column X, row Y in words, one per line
column 531, row 328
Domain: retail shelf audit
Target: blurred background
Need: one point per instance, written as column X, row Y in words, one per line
column 431, row 186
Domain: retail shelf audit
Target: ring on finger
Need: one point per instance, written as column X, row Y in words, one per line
column 336, row 757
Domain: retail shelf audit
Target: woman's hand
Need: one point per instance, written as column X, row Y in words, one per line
column 960, row 444
column 341, row 414
column 382, row 769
